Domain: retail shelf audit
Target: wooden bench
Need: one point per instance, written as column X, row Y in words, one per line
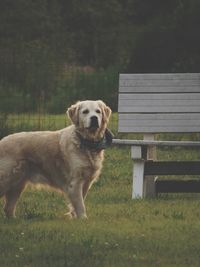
column 159, row 103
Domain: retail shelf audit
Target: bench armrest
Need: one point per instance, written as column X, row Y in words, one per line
column 130, row 142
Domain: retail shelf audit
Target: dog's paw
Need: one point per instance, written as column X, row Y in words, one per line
column 83, row 217
column 71, row 215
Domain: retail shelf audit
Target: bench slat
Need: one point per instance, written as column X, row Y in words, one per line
column 159, row 89
column 153, row 123
column 177, row 186
column 160, row 97
column 161, row 129
column 149, row 103
column 160, row 76
column 155, row 142
column 194, row 108
column 189, row 82
column 159, row 83
column 172, row 168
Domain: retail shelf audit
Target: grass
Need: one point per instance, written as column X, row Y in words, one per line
column 119, row 232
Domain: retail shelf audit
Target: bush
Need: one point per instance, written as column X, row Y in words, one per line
column 4, row 129
column 78, row 84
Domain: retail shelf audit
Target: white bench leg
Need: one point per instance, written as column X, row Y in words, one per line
column 138, row 179
column 142, row 186
column 138, row 172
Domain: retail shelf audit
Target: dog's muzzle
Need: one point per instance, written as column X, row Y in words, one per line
column 94, row 122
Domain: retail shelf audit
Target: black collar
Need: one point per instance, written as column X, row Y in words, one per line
column 96, row 146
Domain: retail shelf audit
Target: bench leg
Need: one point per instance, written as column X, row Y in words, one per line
column 149, row 186
column 142, row 186
column 149, row 181
column 138, row 179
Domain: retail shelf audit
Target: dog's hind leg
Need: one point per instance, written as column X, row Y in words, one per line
column 11, row 198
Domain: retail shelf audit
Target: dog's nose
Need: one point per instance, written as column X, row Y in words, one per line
column 94, row 122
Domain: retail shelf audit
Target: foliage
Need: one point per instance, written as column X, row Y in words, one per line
column 42, row 41
column 4, row 129
column 76, row 84
column 83, row 85
column 169, row 41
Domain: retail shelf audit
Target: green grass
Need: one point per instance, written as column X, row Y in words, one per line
column 119, row 232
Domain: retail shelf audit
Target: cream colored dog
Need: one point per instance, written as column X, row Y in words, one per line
column 68, row 160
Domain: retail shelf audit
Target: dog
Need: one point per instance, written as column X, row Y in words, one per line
column 68, row 160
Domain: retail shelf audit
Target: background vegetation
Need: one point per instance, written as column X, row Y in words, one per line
column 53, row 52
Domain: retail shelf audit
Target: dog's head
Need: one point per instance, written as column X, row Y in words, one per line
column 90, row 116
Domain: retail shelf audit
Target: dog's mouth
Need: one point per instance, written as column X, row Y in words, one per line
column 92, row 129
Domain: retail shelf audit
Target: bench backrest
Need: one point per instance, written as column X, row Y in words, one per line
column 156, row 103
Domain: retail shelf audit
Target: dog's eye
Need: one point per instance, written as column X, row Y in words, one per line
column 98, row 111
column 85, row 111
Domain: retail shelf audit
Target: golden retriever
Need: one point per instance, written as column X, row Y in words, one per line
column 68, row 160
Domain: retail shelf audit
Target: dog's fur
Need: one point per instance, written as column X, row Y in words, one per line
column 55, row 158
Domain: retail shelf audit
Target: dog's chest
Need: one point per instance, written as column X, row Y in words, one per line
column 92, row 164
column 79, row 162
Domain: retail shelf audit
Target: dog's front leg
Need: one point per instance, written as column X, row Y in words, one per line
column 75, row 195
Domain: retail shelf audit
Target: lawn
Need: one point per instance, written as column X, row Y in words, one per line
column 119, row 232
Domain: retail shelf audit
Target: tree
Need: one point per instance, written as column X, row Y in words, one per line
column 170, row 41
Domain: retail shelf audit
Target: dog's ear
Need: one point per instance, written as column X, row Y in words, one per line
column 106, row 111
column 73, row 113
